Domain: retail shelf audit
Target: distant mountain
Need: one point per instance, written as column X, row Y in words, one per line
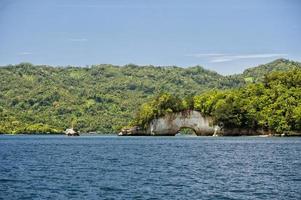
column 257, row 73
column 100, row 98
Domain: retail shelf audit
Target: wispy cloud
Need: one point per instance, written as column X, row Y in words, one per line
column 78, row 39
column 265, row 55
column 199, row 55
column 219, row 57
column 102, row 5
column 216, row 60
column 228, row 58
column 79, row 6
column 25, row 53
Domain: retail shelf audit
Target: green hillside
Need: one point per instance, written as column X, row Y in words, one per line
column 272, row 106
column 100, row 98
column 255, row 74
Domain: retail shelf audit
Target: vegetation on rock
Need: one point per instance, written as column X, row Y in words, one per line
column 274, row 104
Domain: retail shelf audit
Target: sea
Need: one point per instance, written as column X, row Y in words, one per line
column 180, row 167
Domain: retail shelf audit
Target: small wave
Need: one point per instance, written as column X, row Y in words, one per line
column 5, row 180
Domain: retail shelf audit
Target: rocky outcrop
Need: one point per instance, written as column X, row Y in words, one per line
column 171, row 124
column 135, row 131
column 71, row 132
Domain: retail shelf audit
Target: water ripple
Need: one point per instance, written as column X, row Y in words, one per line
column 57, row 167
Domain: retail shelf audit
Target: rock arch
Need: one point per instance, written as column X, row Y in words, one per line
column 170, row 125
column 186, row 131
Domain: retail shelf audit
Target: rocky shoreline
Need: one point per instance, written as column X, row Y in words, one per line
column 171, row 124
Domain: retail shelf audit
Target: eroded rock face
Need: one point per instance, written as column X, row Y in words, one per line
column 135, row 130
column 171, row 124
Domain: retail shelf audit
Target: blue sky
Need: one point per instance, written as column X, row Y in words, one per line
column 222, row 35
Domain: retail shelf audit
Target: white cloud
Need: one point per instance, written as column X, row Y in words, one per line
column 199, row 55
column 78, row 39
column 25, row 53
column 267, row 55
column 102, row 5
column 218, row 60
column 220, row 57
column 80, row 6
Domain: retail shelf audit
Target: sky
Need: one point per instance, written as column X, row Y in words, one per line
column 226, row 36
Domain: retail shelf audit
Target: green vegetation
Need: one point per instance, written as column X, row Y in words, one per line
column 255, row 74
column 101, row 98
column 274, row 104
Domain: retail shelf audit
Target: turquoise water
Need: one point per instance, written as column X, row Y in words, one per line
column 102, row 167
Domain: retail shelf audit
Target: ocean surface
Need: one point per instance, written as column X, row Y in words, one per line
column 112, row 167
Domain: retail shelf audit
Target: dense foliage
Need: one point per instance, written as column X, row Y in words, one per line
column 274, row 104
column 256, row 74
column 100, row 98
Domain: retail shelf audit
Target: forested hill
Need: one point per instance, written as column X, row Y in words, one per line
column 100, row 98
column 280, row 65
column 271, row 107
